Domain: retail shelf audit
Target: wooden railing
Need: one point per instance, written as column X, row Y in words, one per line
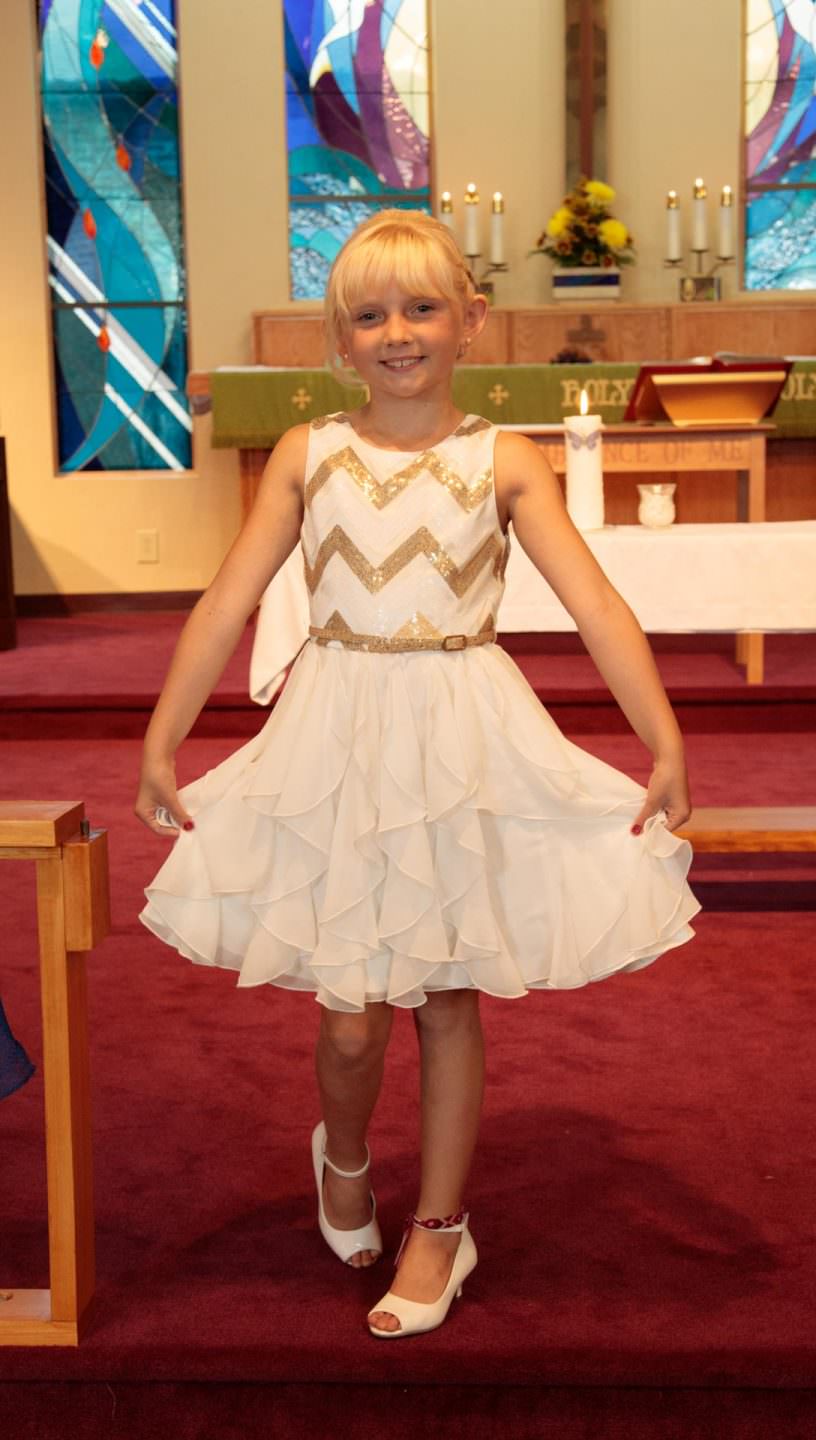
column 73, row 914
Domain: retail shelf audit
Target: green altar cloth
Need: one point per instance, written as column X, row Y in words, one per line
column 252, row 408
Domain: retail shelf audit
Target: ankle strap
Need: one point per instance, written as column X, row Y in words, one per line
column 349, row 1174
column 447, row 1222
column 454, row 1222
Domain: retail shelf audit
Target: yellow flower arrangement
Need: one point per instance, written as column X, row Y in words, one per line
column 614, row 234
column 582, row 233
column 557, row 223
column 599, row 192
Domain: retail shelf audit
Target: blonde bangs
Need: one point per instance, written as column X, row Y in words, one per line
column 406, row 247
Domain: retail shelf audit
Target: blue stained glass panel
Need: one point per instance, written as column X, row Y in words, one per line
column 780, row 243
column 780, row 145
column 316, row 233
column 357, row 123
column 115, row 233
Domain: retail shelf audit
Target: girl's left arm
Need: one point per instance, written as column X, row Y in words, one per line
column 606, row 624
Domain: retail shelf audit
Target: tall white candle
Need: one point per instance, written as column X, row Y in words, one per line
column 446, row 208
column 699, row 216
column 471, row 220
column 725, row 246
column 674, row 247
column 582, row 445
column 497, row 229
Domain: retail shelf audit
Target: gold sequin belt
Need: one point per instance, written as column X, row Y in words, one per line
column 388, row 644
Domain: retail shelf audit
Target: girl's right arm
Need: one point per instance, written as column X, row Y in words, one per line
column 217, row 621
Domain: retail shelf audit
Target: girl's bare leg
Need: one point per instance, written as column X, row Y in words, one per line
column 349, row 1061
column 452, row 1085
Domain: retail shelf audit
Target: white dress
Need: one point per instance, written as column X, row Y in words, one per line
column 411, row 818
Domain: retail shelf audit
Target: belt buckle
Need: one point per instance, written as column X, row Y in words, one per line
column 454, row 642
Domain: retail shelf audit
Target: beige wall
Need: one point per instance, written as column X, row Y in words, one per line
column 674, row 113
column 498, row 113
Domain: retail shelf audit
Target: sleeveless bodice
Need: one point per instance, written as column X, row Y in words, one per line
column 402, row 547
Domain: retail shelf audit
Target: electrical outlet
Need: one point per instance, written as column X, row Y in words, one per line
column 147, row 547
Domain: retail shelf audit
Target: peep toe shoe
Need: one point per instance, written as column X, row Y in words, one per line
column 414, row 1317
column 345, row 1243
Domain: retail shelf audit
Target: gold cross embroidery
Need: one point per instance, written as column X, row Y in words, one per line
column 498, row 394
column 301, row 398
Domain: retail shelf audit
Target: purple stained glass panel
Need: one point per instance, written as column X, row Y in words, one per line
column 357, row 122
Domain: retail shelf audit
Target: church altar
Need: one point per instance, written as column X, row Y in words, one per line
column 252, row 406
column 723, row 469
column 683, row 579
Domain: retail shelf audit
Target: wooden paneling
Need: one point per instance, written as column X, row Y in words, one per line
column 493, row 345
column 791, row 480
column 604, row 332
column 748, row 329
column 283, row 337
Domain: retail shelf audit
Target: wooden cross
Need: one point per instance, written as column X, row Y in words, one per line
column 585, row 332
column 585, row 89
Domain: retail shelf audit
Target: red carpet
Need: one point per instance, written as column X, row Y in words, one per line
column 642, row 1195
column 98, row 675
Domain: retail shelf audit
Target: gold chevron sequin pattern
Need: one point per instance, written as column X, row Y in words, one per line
column 422, row 542
column 381, row 493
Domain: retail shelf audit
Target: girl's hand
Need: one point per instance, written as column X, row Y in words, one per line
column 667, row 790
column 157, row 787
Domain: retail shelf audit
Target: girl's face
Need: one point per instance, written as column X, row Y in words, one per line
column 402, row 344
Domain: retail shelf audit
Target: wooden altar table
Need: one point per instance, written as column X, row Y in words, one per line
column 639, row 449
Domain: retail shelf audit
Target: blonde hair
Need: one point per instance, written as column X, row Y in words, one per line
column 408, row 246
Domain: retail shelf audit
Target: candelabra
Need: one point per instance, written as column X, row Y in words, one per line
column 702, row 284
column 472, row 254
column 483, row 285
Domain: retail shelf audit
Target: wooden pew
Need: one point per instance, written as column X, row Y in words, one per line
column 73, row 913
column 751, row 829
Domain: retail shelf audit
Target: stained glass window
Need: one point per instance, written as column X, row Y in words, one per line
column 115, row 235
column 780, row 145
column 357, row 111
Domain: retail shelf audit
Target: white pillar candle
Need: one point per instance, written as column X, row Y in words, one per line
column 497, row 229
column 446, row 209
column 582, row 446
column 674, row 247
column 471, row 220
column 699, row 217
column 725, row 247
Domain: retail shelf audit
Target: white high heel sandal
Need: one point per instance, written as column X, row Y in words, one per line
column 413, row 1316
column 344, row 1243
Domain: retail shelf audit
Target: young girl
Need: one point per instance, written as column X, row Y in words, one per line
column 410, row 827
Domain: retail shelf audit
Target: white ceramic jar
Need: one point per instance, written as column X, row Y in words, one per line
column 656, row 506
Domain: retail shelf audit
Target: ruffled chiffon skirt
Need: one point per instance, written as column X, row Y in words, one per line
column 412, row 822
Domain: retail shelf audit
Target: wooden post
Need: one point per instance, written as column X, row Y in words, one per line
column 73, row 915
column 585, row 25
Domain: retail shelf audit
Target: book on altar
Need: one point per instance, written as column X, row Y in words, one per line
column 722, row 389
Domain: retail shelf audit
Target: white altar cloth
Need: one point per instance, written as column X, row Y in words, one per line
column 758, row 577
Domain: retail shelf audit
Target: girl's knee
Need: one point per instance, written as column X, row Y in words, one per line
column 358, row 1038
column 446, row 1010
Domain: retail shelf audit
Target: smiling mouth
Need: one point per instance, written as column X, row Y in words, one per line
column 405, row 362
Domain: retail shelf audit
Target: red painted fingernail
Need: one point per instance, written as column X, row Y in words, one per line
column 636, row 829
column 188, row 825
